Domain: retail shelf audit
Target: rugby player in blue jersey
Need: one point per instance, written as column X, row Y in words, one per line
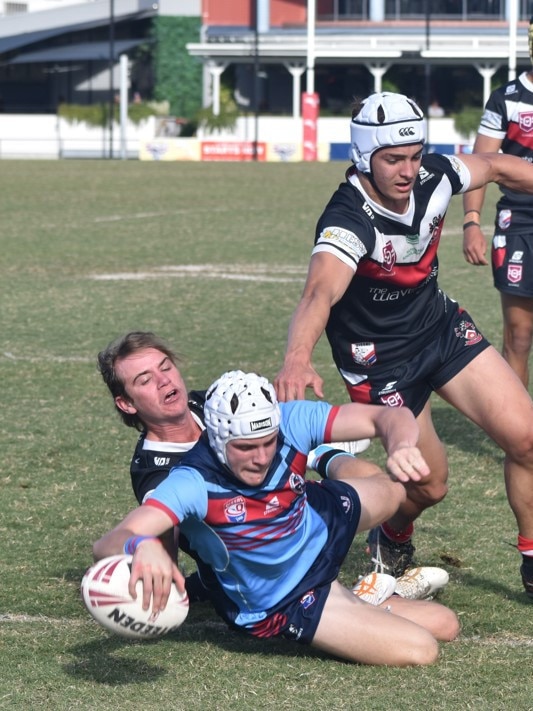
column 274, row 541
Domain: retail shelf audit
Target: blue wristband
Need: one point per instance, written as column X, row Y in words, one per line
column 130, row 545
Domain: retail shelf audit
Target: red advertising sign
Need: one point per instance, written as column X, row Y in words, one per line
column 310, row 109
column 232, row 150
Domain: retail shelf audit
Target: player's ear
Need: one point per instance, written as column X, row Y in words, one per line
column 125, row 405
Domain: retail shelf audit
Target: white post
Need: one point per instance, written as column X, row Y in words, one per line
column 512, row 12
column 377, row 71
column 296, row 71
column 311, row 13
column 216, row 70
column 487, row 73
column 123, row 105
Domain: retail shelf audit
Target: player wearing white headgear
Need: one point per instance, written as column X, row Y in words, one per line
column 394, row 335
column 384, row 119
column 274, row 541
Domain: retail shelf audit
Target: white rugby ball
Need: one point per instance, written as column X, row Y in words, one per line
column 104, row 590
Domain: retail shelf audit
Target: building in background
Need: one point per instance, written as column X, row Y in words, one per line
column 445, row 52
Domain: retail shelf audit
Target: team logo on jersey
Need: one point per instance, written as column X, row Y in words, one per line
column 468, row 332
column 514, row 273
column 525, row 121
column 308, row 599
column 364, row 353
column 518, row 256
column 504, row 219
column 389, row 257
column 297, row 483
column 435, row 228
column 235, row 510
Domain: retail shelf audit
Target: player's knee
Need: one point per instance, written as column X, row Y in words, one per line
column 422, row 651
column 448, row 625
column 430, row 494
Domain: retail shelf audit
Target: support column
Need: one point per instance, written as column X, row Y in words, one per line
column 215, row 70
column 377, row 71
column 487, row 72
column 296, row 71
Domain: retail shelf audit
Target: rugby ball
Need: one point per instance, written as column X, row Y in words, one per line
column 104, row 590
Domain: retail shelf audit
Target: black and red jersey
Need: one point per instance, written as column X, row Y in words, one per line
column 393, row 305
column 508, row 116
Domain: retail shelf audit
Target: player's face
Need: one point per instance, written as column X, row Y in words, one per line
column 394, row 171
column 154, row 387
column 250, row 459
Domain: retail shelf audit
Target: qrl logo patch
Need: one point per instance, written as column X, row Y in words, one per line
column 389, row 257
column 392, row 400
column 235, row 510
column 514, row 273
column 525, row 121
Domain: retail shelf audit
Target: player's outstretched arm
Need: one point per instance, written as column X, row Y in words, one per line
column 327, row 280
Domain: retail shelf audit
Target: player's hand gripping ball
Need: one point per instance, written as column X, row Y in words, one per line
column 104, row 590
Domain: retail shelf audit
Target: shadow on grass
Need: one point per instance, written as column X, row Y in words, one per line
column 456, row 430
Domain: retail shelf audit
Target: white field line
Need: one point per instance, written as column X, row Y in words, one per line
column 504, row 640
column 43, row 358
column 276, row 273
column 169, row 213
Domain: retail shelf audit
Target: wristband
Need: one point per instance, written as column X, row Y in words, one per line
column 130, row 545
column 471, row 223
column 325, row 457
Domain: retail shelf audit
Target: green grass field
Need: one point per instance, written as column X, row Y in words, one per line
column 212, row 257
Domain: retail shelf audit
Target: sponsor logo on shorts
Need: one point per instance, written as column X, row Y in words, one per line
column 514, row 273
column 364, row 354
column 392, row 400
column 235, row 510
column 517, row 256
column 295, row 632
column 308, row 599
column 504, row 219
column 346, row 504
column 468, row 332
column 525, row 121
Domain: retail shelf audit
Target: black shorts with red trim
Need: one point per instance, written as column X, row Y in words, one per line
column 512, row 264
column 410, row 382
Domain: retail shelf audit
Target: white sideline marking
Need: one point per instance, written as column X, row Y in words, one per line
column 275, row 273
column 166, row 213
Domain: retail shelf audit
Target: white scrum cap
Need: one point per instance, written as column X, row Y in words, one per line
column 385, row 119
column 239, row 406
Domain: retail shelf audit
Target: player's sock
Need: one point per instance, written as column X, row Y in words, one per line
column 398, row 536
